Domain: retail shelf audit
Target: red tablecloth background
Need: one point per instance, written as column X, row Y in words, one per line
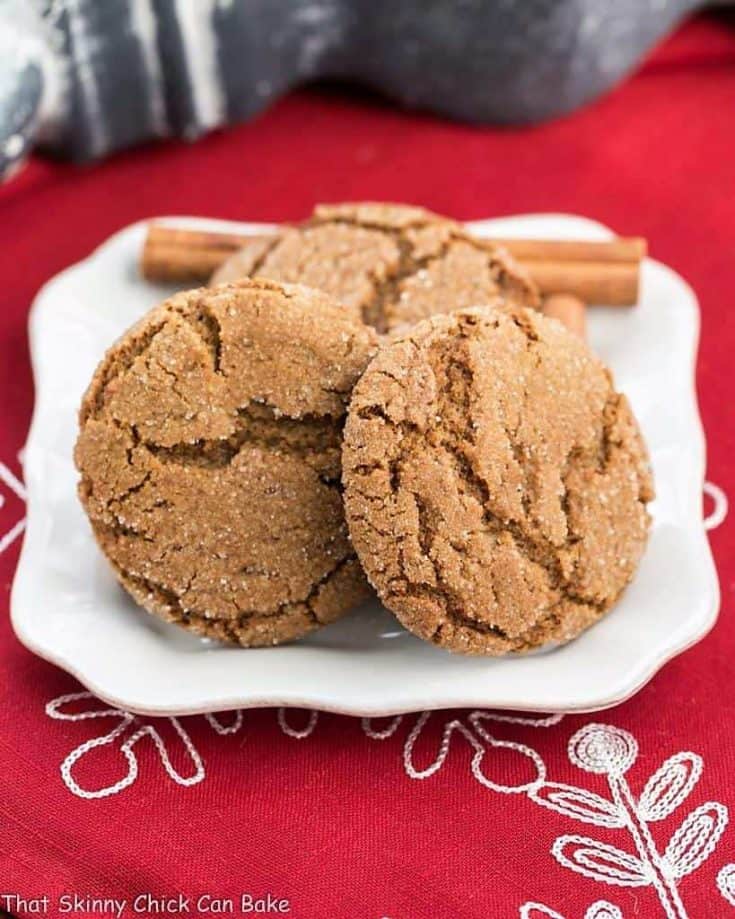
column 333, row 821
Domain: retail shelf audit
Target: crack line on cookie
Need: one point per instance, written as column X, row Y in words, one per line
column 387, row 291
column 233, row 627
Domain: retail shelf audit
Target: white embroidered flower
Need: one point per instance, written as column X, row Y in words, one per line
column 603, row 749
column 126, row 733
column 473, row 731
column 610, row 751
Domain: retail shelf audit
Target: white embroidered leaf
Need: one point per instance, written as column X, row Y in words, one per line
column 726, row 882
column 412, row 770
column 479, row 753
column 535, row 910
column 297, row 733
column 383, row 733
column 695, row 840
column 599, row 861
column 127, row 749
column 57, row 708
column 531, row 756
column 601, row 909
column 719, row 511
column 669, row 786
column 222, row 729
column 578, row 803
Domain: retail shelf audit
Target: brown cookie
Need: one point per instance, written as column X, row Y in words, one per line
column 209, row 454
column 391, row 264
column 495, row 482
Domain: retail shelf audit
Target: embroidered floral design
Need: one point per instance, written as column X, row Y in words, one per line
column 224, row 729
column 603, row 749
column 129, row 730
column 600, row 909
column 57, row 709
column 726, row 882
column 473, row 730
column 17, row 488
column 610, row 751
column 599, row 749
column 297, row 733
column 719, row 511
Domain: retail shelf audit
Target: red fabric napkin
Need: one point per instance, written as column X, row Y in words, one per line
column 343, row 818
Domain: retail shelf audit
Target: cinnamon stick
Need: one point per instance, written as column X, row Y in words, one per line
column 569, row 310
column 595, row 272
column 611, row 283
column 618, row 249
column 174, row 255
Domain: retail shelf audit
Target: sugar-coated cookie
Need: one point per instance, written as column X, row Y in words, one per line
column 495, row 482
column 209, row 454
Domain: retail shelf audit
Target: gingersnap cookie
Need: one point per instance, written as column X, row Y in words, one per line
column 495, row 482
column 209, row 453
column 391, row 264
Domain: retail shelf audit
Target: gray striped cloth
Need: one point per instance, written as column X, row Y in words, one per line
column 82, row 78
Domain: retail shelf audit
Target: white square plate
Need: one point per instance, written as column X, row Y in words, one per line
column 67, row 607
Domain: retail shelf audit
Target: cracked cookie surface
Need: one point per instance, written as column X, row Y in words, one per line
column 209, row 454
column 495, row 482
column 392, row 265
